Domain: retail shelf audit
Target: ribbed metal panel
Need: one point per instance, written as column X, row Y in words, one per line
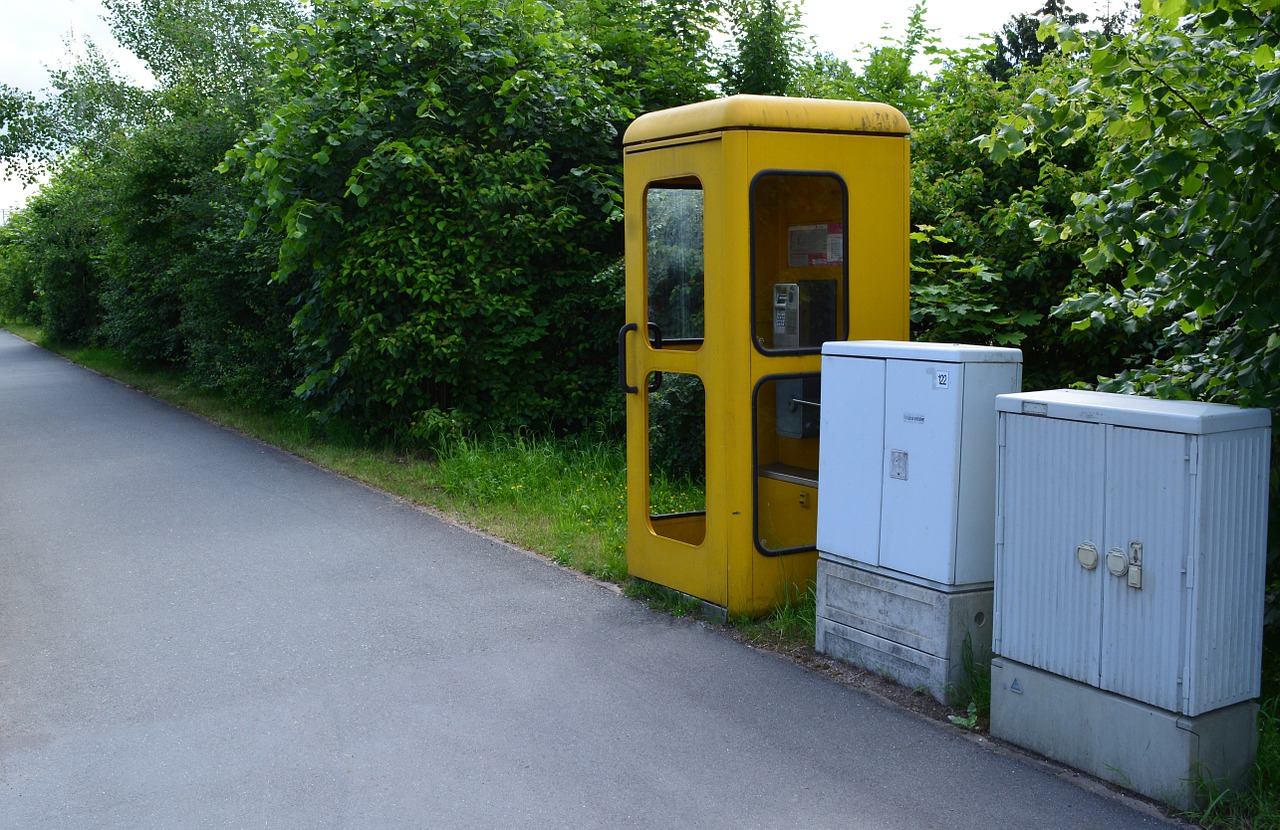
column 1047, row 607
column 1228, row 567
column 1187, row 636
column 1147, row 492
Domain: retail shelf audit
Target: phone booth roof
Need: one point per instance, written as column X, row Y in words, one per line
column 767, row 112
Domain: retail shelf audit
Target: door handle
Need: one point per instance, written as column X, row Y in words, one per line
column 1127, row 566
column 655, row 382
column 622, row 358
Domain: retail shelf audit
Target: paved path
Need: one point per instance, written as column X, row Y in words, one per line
column 198, row 631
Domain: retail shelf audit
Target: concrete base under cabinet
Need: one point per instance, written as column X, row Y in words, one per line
column 1157, row 753
column 907, row 631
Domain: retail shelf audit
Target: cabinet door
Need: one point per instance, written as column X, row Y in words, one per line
column 1051, row 513
column 850, row 468
column 922, row 466
column 1148, row 519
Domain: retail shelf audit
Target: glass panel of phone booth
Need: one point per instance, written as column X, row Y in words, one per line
column 677, row 456
column 798, row 261
column 674, row 255
column 786, row 463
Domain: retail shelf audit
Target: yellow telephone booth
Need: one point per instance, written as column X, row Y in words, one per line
column 757, row 228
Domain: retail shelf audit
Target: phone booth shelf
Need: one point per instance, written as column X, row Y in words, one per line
column 757, row 228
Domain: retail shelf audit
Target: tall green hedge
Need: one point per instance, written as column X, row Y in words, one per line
column 445, row 177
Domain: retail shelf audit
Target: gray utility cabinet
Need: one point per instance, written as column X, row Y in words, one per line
column 906, row 512
column 1130, row 569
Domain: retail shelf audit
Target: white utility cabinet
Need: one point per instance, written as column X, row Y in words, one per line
column 906, row 511
column 1130, row 571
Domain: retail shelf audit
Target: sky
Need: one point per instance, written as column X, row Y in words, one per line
column 34, row 35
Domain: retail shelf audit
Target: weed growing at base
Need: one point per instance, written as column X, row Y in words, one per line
column 664, row 599
column 973, row 694
column 790, row 625
column 1259, row 806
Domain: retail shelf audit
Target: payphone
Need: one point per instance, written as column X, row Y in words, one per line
column 786, row 315
column 757, row 228
column 803, row 315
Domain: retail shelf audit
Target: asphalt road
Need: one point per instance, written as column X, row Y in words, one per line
column 199, row 631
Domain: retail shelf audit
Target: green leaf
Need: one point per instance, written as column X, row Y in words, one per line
column 1264, row 57
column 1170, row 10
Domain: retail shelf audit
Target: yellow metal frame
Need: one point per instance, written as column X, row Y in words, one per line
column 724, row 145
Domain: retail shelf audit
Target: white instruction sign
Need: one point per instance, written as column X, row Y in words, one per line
column 815, row 245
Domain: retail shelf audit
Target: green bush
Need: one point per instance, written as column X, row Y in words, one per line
column 445, row 179
column 18, row 299
column 60, row 238
column 183, row 287
column 979, row 273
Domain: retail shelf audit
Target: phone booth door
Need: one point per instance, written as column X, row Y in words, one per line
column 668, row 369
